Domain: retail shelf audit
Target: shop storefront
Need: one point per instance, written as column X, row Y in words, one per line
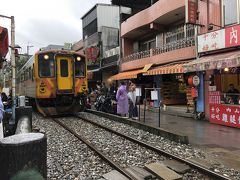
column 174, row 87
column 221, row 71
column 224, row 97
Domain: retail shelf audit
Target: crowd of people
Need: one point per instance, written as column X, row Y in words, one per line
column 5, row 104
column 126, row 100
column 125, row 97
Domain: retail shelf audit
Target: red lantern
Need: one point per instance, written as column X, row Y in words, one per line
column 190, row 80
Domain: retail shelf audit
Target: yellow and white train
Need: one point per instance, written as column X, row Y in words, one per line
column 54, row 80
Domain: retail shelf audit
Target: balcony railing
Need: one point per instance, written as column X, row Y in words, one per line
column 177, row 38
column 183, row 43
column 138, row 55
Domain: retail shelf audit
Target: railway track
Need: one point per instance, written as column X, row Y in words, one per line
column 115, row 165
column 92, row 147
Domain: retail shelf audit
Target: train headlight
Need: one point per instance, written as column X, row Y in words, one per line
column 78, row 58
column 46, row 57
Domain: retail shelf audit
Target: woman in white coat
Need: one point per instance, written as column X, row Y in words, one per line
column 132, row 101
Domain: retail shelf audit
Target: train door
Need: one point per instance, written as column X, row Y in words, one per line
column 64, row 74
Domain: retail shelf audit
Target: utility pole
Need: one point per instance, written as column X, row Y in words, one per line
column 13, row 68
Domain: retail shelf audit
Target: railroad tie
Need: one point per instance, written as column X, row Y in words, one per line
column 162, row 171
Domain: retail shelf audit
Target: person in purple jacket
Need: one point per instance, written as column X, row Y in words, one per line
column 122, row 100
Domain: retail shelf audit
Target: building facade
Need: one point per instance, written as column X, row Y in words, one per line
column 155, row 43
column 218, row 61
column 101, row 41
column 189, row 49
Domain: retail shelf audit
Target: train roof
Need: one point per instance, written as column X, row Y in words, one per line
column 59, row 51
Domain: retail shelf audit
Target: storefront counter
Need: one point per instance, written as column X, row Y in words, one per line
column 225, row 114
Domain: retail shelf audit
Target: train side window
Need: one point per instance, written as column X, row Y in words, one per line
column 64, row 67
column 26, row 74
column 33, row 71
column 29, row 73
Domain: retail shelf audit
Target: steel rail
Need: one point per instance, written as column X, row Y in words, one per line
column 191, row 164
column 92, row 147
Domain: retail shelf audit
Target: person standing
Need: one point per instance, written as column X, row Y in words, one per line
column 122, row 100
column 1, row 118
column 233, row 93
column 132, row 101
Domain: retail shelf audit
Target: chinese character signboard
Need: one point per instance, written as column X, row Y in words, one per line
column 232, row 36
column 211, row 41
column 224, row 38
column 214, row 97
column 191, row 11
column 225, row 115
column 92, row 53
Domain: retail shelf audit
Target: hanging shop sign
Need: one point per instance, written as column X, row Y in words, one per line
column 228, row 115
column 154, row 95
column 214, row 97
column 220, row 39
column 193, row 80
column 92, row 53
column 191, row 11
column 196, row 80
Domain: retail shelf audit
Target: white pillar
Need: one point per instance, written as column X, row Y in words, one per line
column 13, row 67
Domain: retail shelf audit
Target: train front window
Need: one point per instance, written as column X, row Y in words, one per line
column 80, row 68
column 46, row 66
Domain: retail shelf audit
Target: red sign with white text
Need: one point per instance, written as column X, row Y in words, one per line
column 232, row 36
column 92, row 53
column 191, row 10
column 214, row 97
column 228, row 115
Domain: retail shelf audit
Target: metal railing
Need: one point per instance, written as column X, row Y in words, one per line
column 138, row 55
column 183, row 43
column 178, row 37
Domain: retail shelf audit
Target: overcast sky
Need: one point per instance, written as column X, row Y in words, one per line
column 39, row 23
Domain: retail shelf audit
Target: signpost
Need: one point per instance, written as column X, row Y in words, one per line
column 154, row 96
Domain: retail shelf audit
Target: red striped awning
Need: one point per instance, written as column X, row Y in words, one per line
column 126, row 75
column 167, row 69
column 130, row 74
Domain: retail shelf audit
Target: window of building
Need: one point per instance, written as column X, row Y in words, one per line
column 64, row 67
column 147, row 45
column 230, row 11
column 90, row 29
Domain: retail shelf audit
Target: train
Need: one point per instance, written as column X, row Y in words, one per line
column 55, row 81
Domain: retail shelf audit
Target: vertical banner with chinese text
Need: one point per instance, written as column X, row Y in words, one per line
column 191, row 11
